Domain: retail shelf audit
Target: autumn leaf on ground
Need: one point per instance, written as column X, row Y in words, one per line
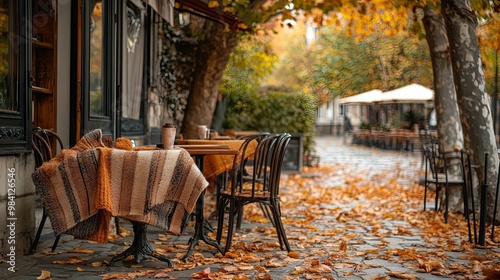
column 99, row 264
column 402, row 275
column 120, row 275
column 249, row 258
column 293, row 254
column 381, row 277
column 431, row 264
column 202, row 274
column 71, row 260
column 230, row 255
column 47, row 253
column 81, row 250
column 44, row 276
column 319, row 269
column 163, row 275
column 343, row 246
column 491, row 272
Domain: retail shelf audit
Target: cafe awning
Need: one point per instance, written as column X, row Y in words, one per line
column 200, row 8
column 362, row 98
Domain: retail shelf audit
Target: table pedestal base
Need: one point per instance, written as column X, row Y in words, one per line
column 140, row 247
column 199, row 231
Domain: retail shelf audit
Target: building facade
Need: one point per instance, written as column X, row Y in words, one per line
column 71, row 67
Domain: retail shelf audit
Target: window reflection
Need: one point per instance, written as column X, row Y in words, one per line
column 97, row 97
column 8, row 96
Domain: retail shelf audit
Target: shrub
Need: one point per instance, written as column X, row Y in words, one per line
column 274, row 112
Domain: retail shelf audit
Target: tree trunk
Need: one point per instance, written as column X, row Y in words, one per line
column 211, row 59
column 470, row 86
column 445, row 98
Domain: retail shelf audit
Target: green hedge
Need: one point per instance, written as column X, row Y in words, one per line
column 273, row 112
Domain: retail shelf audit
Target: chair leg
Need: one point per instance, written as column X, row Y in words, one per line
column 220, row 219
column 447, row 193
column 117, row 225
column 466, row 210
column 280, row 230
column 54, row 246
column 239, row 218
column 473, row 209
column 495, row 209
column 232, row 210
column 38, row 233
column 437, row 199
column 266, row 213
column 425, row 194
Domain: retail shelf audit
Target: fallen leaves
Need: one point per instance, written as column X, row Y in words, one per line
column 337, row 229
column 70, row 260
column 45, row 275
column 430, row 265
column 402, row 275
column 81, row 251
column 293, row 254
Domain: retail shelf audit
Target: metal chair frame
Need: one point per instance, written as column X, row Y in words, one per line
column 445, row 169
column 43, row 152
column 261, row 186
column 41, row 143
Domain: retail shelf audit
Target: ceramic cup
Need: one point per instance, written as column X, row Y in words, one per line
column 168, row 131
column 203, row 132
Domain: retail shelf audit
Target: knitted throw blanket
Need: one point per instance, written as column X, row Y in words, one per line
column 83, row 187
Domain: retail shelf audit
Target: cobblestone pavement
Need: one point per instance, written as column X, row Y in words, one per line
column 332, row 151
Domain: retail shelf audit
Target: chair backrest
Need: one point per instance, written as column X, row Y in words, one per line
column 247, row 158
column 277, row 162
column 265, row 170
column 431, row 154
column 453, row 162
column 42, row 145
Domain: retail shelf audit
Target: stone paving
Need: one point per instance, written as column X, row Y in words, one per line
column 331, row 150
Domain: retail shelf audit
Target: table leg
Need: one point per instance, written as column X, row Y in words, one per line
column 140, row 247
column 199, row 230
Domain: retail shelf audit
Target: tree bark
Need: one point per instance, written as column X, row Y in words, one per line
column 211, row 59
column 445, row 99
column 470, row 85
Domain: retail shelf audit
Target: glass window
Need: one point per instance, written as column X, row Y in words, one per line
column 14, row 77
column 97, row 96
column 8, row 57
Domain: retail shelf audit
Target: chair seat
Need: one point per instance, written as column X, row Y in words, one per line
column 441, row 179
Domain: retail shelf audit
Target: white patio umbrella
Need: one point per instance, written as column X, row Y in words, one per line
column 364, row 98
column 412, row 93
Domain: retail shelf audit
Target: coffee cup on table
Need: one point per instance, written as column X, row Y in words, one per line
column 203, row 132
column 168, row 131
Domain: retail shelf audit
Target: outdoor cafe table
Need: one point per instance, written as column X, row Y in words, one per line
column 199, row 152
column 82, row 188
column 217, row 164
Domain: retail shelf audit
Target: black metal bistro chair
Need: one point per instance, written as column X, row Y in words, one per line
column 259, row 185
column 441, row 171
column 43, row 152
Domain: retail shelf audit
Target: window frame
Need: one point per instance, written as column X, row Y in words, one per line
column 15, row 126
column 106, row 121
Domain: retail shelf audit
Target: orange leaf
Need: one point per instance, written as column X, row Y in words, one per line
column 81, row 250
column 343, row 246
column 401, row 275
column 44, row 276
column 293, row 254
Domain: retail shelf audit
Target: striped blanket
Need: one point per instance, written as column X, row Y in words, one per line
column 83, row 187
